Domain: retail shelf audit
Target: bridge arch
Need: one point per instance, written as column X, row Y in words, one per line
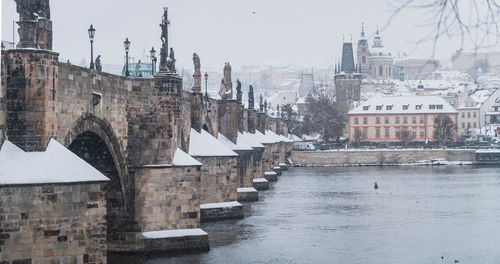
column 94, row 140
column 207, row 126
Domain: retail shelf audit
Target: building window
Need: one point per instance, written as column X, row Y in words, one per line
column 386, row 132
column 463, row 125
column 474, row 125
column 388, row 107
column 405, row 107
column 365, row 132
column 356, row 120
column 468, row 114
column 397, row 119
column 439, row 106
column 468, row 124
column 377, row 132
column 366, row 107
column 432, row 106
column 397, row 132
column 387, row 120
column 414, row 132
column 380, row 71
column 365, row 120
column 414, row 120
column 405, row 120
column 422, row 132
column 422, row 120
column 474, row 114
column 379, row 107
column 463, row 114
column 418, row 107
column 377, row 120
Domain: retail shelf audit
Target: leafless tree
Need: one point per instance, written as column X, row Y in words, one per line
column 405, row 136
column 474, row 21
column 358, row 136
column 444, row 128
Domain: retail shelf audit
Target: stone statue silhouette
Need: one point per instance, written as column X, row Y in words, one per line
column 164, row 39
column 98, row 65
column 250, row 98
column 30, row 10
column 197, row 64
column 261, row 104
column 226, row 88
column 197, row 73
column 238, row 91
column 171, row 61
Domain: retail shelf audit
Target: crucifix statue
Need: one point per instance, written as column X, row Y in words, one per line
column 164, row 39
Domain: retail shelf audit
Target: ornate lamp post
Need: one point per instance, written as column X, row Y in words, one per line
column 3, row 46
column 206, row 84
column 91, row 37
column 126, row 44
column 153, row 60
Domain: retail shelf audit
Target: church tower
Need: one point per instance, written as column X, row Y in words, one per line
column 363, row 53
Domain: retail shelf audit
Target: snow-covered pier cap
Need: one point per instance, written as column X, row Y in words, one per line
column 54, row 165
column 205, row 145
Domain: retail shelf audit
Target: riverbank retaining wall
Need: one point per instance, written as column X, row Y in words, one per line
column 379, row 157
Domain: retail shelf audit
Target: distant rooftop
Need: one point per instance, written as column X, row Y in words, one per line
column 379, row 104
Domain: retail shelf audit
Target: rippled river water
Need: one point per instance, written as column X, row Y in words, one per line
column 334, row 215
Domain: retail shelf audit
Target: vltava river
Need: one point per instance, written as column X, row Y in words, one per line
column 334, row 215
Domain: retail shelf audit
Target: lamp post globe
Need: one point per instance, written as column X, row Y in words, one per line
column 91, row 31
column 126, row 44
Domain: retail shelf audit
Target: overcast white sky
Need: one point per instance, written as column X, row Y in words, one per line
column 301, row 32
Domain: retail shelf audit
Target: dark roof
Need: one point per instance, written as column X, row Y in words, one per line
column 347, row 59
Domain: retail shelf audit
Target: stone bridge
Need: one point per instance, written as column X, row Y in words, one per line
column 130, row 129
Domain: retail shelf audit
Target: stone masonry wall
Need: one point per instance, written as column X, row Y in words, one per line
column 219, row 179
column 63, row 223
column 3, row 117
column 167, row 198
column 354, row 157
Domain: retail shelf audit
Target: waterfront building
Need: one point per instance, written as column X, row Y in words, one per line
column 384, row 118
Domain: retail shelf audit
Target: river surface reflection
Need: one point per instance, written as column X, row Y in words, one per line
column 334, row 215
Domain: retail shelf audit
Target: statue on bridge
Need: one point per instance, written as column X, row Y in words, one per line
column 238, row 91
column 250, row 98
column 98, row 65
column 197, row 73
column 171, row 61
column 226, row 87
column 30, row 10
column 164, row 39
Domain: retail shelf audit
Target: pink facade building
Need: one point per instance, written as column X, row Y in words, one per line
column 398, row 118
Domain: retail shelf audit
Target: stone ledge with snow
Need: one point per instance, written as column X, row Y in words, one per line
column 240, row 144
column 56, row 164
column 277, row 169
column 261, row 184
column 167, row 242
column 218, row 211
column 248, row 194
column 271, row 176
column 205, row 145
column 283, row 166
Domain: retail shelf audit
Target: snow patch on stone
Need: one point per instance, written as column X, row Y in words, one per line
column 56, row 164
column 240, row 145
column 250, row 139
column 260, row 180
column 181, row 158
column 249, row 189
column 219, row 205
column 205, row 145
column 270, row 173
column 174, row 233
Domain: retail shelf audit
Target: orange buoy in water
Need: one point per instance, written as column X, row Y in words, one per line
column 375, row 186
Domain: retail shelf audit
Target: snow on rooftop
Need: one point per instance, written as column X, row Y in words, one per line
column 56, row 164
column 174, row 233
column 240, row 144
column 250, row 139
column 295, row 138
column 269, row 139
column 219, row 205
column 181, row 158
column 205, row 145
column 379, row 104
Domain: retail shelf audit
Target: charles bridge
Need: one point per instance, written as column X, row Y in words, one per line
column 174, row 158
